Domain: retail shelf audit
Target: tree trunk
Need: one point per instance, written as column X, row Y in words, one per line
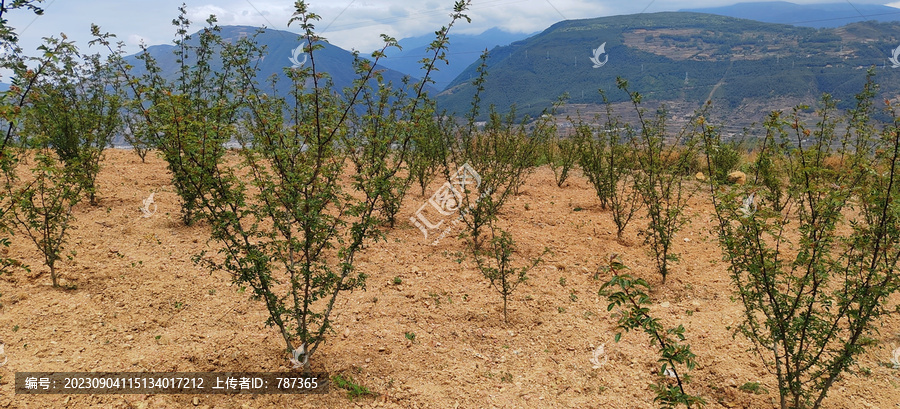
column 53, row 276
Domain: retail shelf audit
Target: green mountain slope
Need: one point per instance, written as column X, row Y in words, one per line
column 682, row 56
column 463, row 50
column 807, row 15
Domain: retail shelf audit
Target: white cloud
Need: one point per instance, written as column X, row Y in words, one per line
column 254, row 13
column 135, row 39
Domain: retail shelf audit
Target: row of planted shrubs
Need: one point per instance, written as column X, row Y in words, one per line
column 811, row 236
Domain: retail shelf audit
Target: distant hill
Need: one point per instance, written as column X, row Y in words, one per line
column 682, row 56
column 464, row 49
column 3, row 86
column 337, row 62
column 806, row 15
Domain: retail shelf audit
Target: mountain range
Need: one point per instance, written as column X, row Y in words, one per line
column 280, row 46
column 682, row 56
column 750, row 64
column 805, row 15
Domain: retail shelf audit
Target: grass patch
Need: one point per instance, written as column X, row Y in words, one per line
column 354, row 390
column 754, row 388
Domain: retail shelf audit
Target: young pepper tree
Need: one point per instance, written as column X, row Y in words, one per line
column 67, row 118
column 12, row 101
column 289, row 212
column 817, row 268
column 298, row 154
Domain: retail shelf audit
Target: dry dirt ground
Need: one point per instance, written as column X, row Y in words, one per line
column 141, row 304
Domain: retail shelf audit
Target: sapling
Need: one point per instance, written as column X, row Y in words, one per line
column 560, row 153
column 428, row 151
column 135, row 133
column 766, row 170
column 42, row 205
column 663, row 161
column 77, row 111
column 815, row 269
column 562, row 156
column 191, row 118
column 608, row 164
column 495, row 263
column 318, row 227
column 503, row 153
column 629, row 295
column 42, row 202
column 724, row 157
column 288, row 213
column 429, row 148
column 382, row 134
column 12, row 103
column 134, row 129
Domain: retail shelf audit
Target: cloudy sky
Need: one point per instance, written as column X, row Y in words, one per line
column 351, row 24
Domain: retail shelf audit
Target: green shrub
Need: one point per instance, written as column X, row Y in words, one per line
column 810, row 303
column 13, row 108
column 724, row 158
column 502, row 153
column 428, row 151
column 495, row 264
column 42, row 205
column 67, row 118
column 664, row 162
column 608, row 163
column 629, row 295
column 287, row 225
column 560, row 153
column 191, row 118
column 73, row 108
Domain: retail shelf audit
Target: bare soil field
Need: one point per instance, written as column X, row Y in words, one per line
column 141, row 304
